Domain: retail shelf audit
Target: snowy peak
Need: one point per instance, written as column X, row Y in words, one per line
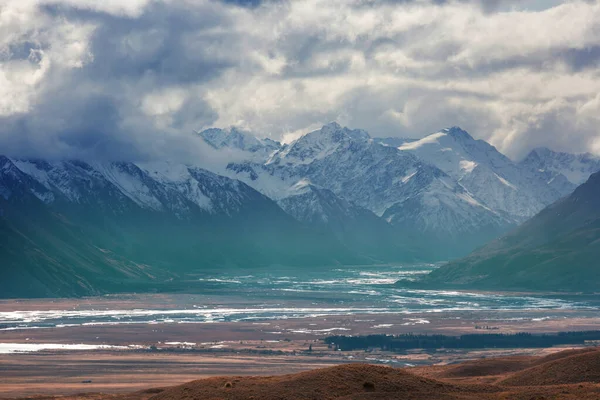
column 321, row 143
column 16, row 185
column 237, row 139
column 330, row 134
column 386, row 180
column 394, row 141
column 458, row 133
column 73, row 181
column 489, row 176
column 177, row 189
column 452, row 150
column 454, row 140
column 447, row 185
column 540, row 153
column 309, row 203
column 576, row 168
column 331, row 127
column 337, row 132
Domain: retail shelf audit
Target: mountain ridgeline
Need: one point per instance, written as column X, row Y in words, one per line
column 442, row 196
column 334, row 196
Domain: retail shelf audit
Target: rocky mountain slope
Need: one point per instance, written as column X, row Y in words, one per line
column 559, row 167
column 488, row 175
column 448, row 192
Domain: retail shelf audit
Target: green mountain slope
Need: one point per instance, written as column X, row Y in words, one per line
column 43, row 254
column 558, row 249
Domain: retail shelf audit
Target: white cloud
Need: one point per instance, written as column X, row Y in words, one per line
column 520, row 74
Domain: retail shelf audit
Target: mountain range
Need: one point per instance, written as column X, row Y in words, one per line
column 333, row 196
column 558, row 166
column 443, row 195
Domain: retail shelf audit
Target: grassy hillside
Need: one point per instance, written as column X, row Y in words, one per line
column 558, row 249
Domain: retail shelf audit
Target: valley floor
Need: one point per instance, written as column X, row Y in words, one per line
column 170, row 352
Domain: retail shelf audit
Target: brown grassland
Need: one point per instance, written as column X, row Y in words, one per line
column 570, row 374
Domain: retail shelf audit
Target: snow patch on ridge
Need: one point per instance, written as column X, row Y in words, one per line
column 178, row 177
column 408, row 177
column 505, row 182
column 131, row 186
column 31, row 169
column 302, row 186
column 165, row 172
column 469, row 199
column 467, row 165
column 434, row 138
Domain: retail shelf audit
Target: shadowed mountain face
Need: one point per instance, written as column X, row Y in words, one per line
column 355, row 226
column 558, row 249
column 72, row 229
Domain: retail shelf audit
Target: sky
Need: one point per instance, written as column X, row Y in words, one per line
column 133, row 80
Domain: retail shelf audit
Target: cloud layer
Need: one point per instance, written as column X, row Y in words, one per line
column 133, row 79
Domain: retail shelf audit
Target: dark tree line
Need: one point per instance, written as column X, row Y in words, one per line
column 471, row 341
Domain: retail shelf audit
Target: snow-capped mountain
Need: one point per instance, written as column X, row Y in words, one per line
column 363, row 171
column 233, row 138
column 486, row 174
column 307, row 202
column 445, row 186
column 560, row 167
column 394, row 184
column 163, row 186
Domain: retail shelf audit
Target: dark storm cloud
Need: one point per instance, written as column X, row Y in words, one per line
column 244, row 3
column 580, row 59
column 94, row 110
column 157, row 45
